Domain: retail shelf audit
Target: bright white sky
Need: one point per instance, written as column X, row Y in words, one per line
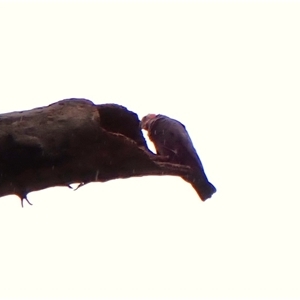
column 230, row 72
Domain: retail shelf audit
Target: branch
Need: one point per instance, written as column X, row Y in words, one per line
column 74, row 141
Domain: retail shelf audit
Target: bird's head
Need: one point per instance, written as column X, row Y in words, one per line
column 146, row 121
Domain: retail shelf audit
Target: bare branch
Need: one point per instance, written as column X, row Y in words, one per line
column 71, row 141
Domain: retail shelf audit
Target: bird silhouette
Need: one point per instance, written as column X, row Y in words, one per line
column 172, row 140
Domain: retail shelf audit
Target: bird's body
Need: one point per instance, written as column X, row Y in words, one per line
column 171, row 139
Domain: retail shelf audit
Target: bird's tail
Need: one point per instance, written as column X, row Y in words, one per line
column 204, row 189
column 201, row 185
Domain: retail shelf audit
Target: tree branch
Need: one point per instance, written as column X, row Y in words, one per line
column 71, row 141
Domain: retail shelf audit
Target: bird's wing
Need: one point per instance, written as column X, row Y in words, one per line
column 179, row 141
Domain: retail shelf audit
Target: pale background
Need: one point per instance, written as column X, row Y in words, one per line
column 230, row 72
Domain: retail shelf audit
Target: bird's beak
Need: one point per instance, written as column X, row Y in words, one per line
column 143, row 123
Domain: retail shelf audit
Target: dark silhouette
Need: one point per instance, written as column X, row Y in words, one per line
column 173, row 141
column 74, row 141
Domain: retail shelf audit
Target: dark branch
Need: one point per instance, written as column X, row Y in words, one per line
column 71, row 141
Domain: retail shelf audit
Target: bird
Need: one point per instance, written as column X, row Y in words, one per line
column 172, row 140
